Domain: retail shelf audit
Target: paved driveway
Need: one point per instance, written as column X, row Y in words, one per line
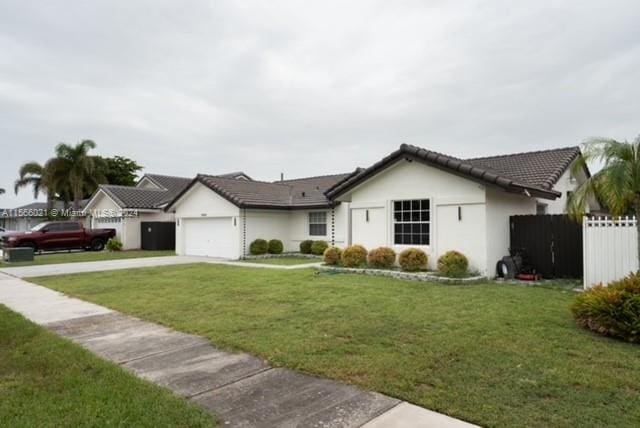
column 102, row 265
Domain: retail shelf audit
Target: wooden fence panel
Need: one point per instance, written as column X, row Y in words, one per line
column 553, row 244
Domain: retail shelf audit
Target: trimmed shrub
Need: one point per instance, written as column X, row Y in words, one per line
column 318, row 247
column 383, row 257
column 114, row 244
column 612, row 311
column 354, row 256
column 413, row 259
column 275, row 246
column 305, row 247
column 259, row 246
column 332, row 255
column 453, row 264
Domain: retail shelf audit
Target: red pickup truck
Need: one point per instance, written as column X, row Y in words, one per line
column 59, row 236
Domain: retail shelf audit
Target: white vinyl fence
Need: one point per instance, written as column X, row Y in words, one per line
column 610, row 249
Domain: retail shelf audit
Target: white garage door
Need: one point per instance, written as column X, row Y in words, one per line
column 211, row 237
column 108, row 223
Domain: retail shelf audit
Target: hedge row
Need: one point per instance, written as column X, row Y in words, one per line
column 262, row 246
column 313, row 247
column 451, row 264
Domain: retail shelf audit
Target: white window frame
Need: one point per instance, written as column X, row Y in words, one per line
column 310, row 222
column 412, row 220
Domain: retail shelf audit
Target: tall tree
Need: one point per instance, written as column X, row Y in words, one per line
column 616, row 185
column 83, row 176
column 119, row 170
column 1, row 191
column 31, row 174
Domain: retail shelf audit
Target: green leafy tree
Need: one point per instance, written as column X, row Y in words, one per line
column 119, row 170
column 1, row 191
column 616, row 185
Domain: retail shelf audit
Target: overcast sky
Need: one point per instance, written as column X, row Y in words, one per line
column 310, row 88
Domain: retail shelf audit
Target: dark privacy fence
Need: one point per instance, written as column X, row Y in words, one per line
column 158, row 235
column 552, row 243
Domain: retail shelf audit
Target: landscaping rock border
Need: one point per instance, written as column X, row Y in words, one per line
column 274, row 256
column 411, row 276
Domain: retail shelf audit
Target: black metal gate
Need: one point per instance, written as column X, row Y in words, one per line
column 553, row 244
column 158, row 235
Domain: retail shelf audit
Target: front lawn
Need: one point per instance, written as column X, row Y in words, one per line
column 493, row 354
column 86, row 256
column 47, row 381
column 284, row 261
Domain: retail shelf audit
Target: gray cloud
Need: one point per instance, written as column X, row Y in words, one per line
column 310, row 88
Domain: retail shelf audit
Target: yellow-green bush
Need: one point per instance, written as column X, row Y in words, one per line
column 354, row 256
column 413, row 259
column 613, row 310
column 453, row 264
column 382, row 257
column 332, row 255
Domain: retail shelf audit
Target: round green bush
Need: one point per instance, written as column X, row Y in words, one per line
column 114, row 244
column 305, row 247
column 453, row 264
column 332, row 255
column 612, row 311
column 318, row 247
column 413, row 259
column 258, row 247
column 275, row 246
column 354, row 256
column 383, row 257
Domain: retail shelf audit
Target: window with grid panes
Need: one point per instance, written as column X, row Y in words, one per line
column 411, row 222
column 318, row 223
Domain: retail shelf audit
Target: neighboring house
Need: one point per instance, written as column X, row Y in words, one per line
column 220, row 217
column 26, row 216
column 411, row 198
column 124, row 208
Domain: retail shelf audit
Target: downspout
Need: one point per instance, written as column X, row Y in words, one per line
column 244, row 232
column 333, row 226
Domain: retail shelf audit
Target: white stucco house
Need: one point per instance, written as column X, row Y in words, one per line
column 412, row 198
column 124, row 208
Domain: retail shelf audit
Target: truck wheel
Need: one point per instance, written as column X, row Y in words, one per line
column 29, row 244
column 97, row 244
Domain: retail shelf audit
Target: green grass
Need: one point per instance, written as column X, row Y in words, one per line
column 284, row 261
column 493, row 354
column 86, row 256
column 47, row 381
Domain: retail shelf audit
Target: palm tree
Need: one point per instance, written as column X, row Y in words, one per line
column 79, row 168
column 31, row 174
column 616, row 185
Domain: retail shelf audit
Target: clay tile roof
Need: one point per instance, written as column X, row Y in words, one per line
column 297, row 193
column 542, row 168
column 134, row 197
column 518, row 175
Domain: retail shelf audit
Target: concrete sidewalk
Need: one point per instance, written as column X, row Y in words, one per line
column 240, row 389
column 104, row 265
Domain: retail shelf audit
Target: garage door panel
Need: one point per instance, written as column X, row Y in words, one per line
column 108, row 223
column 211, row 237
